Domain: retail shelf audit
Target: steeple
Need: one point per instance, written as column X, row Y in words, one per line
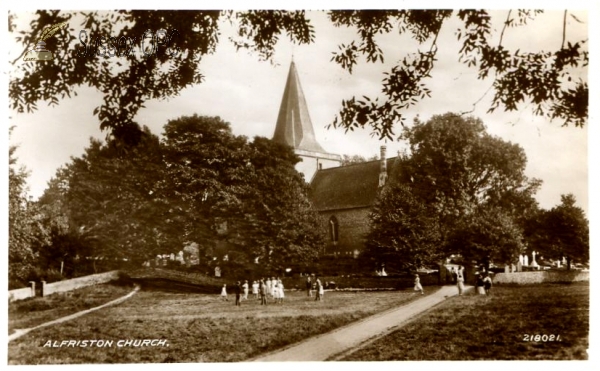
column 294, row 127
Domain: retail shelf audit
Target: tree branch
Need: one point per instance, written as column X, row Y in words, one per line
column 504, row 28
column 564, row 30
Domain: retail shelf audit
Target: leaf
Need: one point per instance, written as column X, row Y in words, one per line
column 49, row 31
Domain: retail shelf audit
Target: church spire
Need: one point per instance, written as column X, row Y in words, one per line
column 294, row 127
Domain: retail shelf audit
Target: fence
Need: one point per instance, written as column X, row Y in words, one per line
column 24, row 293
column 79, row 282
column 541, row 277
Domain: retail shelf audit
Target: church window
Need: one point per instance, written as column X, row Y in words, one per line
column 333, row 230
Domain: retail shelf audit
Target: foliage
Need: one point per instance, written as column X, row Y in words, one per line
column 488, row 235
column 119, row 57
column 110, row 201
column 241, row 202
column 404, row 233
column 460, row 191
column 25, row 228
column 565, row 232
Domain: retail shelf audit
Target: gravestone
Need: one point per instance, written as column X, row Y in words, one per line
column 519, row 266
column 533, row 262
column 217, row 272
column 506, row 269
column 526, row 260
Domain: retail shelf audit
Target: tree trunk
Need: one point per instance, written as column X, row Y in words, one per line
column 568, row 263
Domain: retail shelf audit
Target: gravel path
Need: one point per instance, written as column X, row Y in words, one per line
column 340, row 341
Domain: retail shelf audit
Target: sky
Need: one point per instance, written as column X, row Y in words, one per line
column 246, row 92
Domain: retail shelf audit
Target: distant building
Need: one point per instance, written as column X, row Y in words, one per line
column 343, row 195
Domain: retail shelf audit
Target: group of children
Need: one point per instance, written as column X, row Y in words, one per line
column 271, row 287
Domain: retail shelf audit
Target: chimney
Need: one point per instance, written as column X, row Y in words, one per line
column 383, row 169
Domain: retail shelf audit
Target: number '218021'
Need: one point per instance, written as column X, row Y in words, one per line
column 540, row 337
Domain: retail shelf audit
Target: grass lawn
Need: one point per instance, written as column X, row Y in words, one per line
column 35, row 311
column 198, row 327
column 476, row 327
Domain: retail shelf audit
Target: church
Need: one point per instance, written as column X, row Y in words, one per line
column 342, row 195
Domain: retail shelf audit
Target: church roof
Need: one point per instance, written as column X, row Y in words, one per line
column 347, row 187
column 294, row 127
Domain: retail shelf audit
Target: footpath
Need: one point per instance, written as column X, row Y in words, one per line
column 335, row 344
column 20, row 332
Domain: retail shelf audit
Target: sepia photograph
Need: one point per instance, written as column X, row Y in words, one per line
column 323, row 182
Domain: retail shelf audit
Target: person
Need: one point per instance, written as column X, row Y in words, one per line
column 281, row 290
column 275, row 290
column 263, row 292
column 418, row 286
column 268, row 284
column 487, row 283
column 245, row 287
column 238, row 293
column 308, row 287
column 255, row 289
column 460, row 281
column 319, row 290
column 224, row 292
column 273, row 286
column 480, row 284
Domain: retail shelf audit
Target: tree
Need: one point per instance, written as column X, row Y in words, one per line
column 117, row 55
column 487, row 235
column 25, row 228
column 111, row 201
column 404, row 233
column 469, row 179
column 283, row 225
column 567, row 231
column 241, row 202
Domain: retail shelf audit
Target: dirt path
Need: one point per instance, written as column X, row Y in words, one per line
column 340, row 341
column 20, row 332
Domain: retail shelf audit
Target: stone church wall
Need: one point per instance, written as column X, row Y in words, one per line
column 353, row 225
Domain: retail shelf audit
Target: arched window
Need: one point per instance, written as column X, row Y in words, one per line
column 333, row 230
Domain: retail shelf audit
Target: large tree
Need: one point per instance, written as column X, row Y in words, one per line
column 242, row 202
column 112, row 205
column 114, row 53
column 464, row 180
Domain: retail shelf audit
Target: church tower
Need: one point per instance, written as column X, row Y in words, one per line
column 295, row 129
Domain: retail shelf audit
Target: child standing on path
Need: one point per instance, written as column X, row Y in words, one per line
column 224, row 292
column 418, row 286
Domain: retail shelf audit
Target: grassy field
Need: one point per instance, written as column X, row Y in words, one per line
column 198, row 327
column 35, row 311
column 476, row 327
